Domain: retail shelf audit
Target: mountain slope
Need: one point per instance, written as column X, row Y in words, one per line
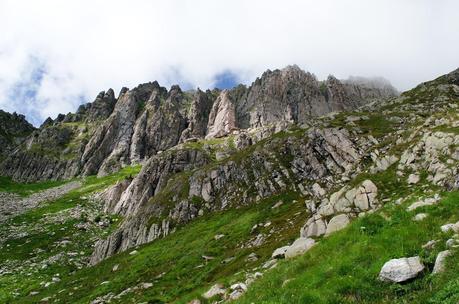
column 212, row 211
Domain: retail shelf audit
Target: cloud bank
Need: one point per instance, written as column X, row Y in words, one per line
column 55, row 55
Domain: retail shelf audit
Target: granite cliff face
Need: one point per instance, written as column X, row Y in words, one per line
column 112, row 132
column 14, row 129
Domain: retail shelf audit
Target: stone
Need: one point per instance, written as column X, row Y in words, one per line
column 419, row 217
column 338, row 222
column 218, row 236
column 413, row 179
column 314, row 229
column 440, row 261
column 450, row 227
column 270, row 264
column 299, row 247
column 422, row 203
column 215, row 290
column 430, row 244
column 318, row 190
column 279, row 253
column 401, row 270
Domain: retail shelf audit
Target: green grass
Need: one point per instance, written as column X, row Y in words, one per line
column 42, row 237
column 179, row 257
column 344, row 267
column 8, row 185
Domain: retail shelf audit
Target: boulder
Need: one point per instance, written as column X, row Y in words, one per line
column 401, row 270
column 314, row 228
column 300, row 246
column 413, row 179
column 419, row 217
column 279, row 253
column 450, row 227
column 215, row 290
column 440, row 261
column 337, row 223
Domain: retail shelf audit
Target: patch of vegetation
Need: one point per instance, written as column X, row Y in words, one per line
column 8, row 185
column 175, row 264
column 43, row 239
column 344, row 268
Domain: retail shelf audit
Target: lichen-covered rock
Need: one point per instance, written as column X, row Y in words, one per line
column 337, row 222
column 401, row 270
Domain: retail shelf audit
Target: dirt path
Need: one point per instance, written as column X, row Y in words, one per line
column 12, row 204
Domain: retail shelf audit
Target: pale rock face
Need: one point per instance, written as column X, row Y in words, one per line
column 222, row 119
column 299, row 247
column 440, row 261
column 337, row 223
column 401, row 270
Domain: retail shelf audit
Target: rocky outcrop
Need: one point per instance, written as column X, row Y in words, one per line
column 319, row 155
column 299, row 247
column 14, row 129
column 110, row 132
column 401, row 270
column 135, row 202
column 102, row 107
column 198, row 117
column 293, row 95
column 222, row 117
column 335, row 213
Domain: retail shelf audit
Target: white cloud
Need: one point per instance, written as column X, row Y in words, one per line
column 88, row 46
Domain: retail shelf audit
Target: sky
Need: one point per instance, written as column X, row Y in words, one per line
column 55, row 55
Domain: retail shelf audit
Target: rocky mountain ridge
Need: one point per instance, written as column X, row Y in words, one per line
column 112, row 132
column 353, row 206
column 14, row 129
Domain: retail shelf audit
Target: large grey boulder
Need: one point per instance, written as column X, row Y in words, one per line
column 401, row 270
column 299, row 247
column 337, row 223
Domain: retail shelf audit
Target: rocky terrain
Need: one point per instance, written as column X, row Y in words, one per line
column 347, row 189
column 14, row 129
column 111, row 132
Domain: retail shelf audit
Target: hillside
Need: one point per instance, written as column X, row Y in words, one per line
column 290, row 190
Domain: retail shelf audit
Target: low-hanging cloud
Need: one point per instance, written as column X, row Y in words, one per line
column 56, row 54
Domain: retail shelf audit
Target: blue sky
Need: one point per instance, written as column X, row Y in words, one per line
column 55, row 55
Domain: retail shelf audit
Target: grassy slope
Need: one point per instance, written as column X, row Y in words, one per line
column 345, row 266
column 179, row 257
column 42, row 236
column 8, row 185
